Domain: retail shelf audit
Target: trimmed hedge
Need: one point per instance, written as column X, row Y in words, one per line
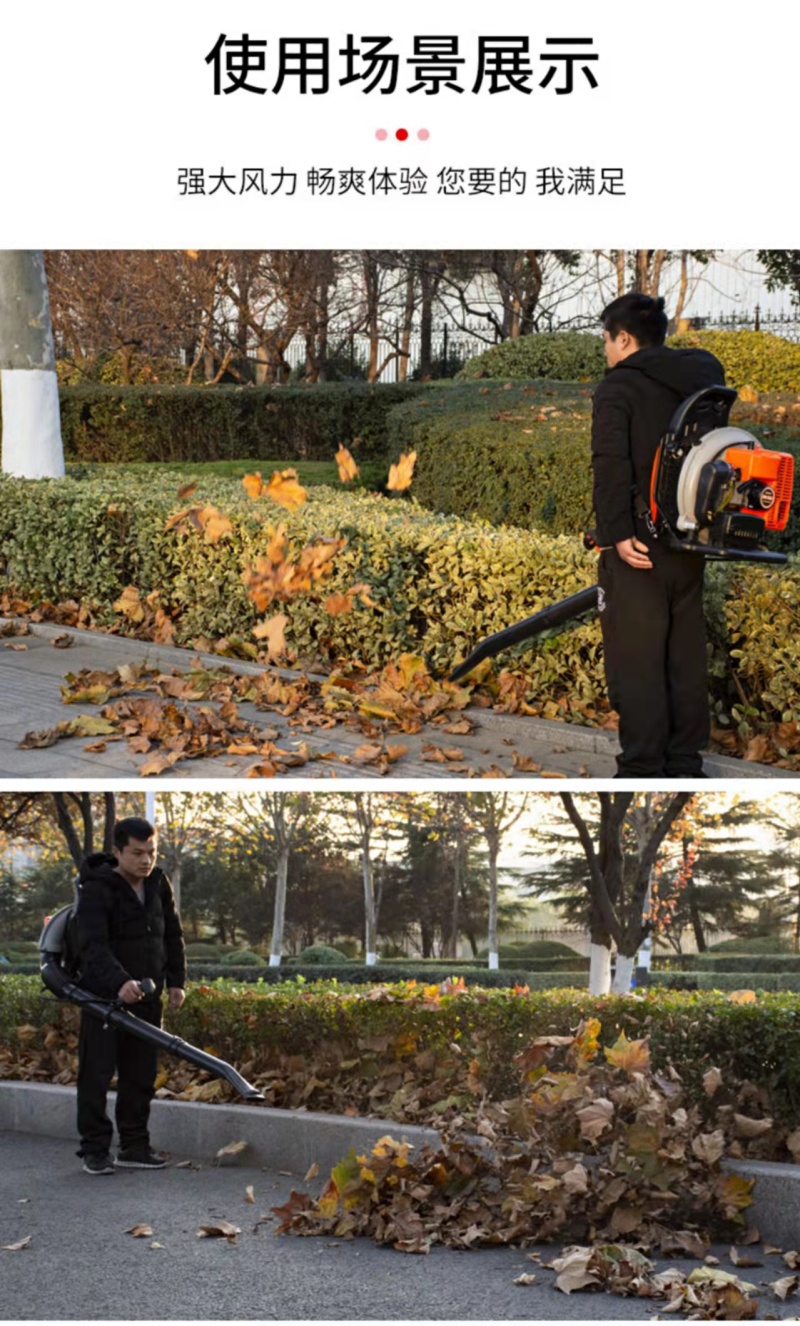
column 727, row 981
column 349, row 1035
column 347, row 974
column 750, row 358
column 520, row 454
column 566, row 356
column 165, row 423
column 756, row 964
column 754, row 359
column 441, row 585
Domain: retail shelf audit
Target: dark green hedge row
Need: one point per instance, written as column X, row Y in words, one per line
column 519, row 453
column 104, row 423
column 755, row 964
column 353, row 974
column 757, row 1042
column 727, row 980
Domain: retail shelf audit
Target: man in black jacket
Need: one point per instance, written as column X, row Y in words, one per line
column 128, row 930
column 651, row 596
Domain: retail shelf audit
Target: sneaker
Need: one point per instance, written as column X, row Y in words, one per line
column 99, row 1162
column 141, row 1158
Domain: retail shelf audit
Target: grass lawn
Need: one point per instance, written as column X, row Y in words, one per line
column 372, row 476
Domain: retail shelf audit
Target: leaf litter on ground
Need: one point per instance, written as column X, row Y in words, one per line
column 598, row 1150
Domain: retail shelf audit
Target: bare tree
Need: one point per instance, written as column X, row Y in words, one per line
column 495, row 813
column 620, row 867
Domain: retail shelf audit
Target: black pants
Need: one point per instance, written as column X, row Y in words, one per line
column 654, row 643
column 100, row 1053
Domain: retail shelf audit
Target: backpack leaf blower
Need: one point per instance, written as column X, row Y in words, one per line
column 715, row 492
column 57, row 965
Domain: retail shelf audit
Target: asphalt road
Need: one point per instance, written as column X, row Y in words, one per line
column 80, row 1263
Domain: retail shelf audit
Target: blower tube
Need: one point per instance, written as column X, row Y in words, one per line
column 112, row 1013
column 558, row 613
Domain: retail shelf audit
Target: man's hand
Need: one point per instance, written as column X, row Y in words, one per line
column 130, row 992
column 635, row 553
column 175, row 997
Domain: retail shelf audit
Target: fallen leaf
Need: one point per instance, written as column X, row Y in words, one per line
column 348, row 470
column 784, row 1287
column 401, row 474
column 249, row 1195
column 16, row 1247
column 232, row 1149
column 140, row 1231
column 285, row 489
column 223, row 1229
column 527, row 1278
column 313, row 1171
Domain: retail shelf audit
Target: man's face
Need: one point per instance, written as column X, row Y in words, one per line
column 619, row 347
column 137, row 858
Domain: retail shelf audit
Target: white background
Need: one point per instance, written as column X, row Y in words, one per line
column 103, row 103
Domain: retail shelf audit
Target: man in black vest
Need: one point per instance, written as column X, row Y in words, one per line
column 128, row 930
column 651, row 597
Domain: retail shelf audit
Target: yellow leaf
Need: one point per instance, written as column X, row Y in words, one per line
column 348, row 470
column 253, row 484
column 742, row 997
column 630, row 1056
column 130, row 605
column 285, row 489
column 337, row 604
column 401, row 474
column 274, row 632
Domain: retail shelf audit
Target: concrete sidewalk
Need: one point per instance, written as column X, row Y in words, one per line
column 30, row 700
column 81, row 1264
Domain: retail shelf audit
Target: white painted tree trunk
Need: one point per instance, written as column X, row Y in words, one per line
column 623, row 974
column 281, row 877
column 32, row 446
column 494, row 961
column 599, row 969
column 370, row 944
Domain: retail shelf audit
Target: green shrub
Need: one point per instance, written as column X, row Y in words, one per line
column 169, row 423
column 441, row 585
column 514, row 455
column 537, row 951
column 752, row 944
column 319, row 953
column 241, row 957
column 750, row 359
column 357, row 974
column 206, row 948
column 350, row 1036
column 754, row 359
column 565, row 356
column 729, row 980
column 754, row 965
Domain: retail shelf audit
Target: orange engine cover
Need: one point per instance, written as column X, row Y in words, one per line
column 774, row 469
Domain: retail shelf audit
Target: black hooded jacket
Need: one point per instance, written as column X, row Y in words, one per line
column 119, row 939
column 631, row 410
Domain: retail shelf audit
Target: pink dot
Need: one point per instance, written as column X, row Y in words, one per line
column 423, row 134
column 381, row 135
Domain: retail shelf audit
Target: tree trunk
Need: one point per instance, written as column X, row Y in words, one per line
column 426, row 324
column 623, row 974
column 32, row 445
column 370, row 942
column 281, row 877
column 452, row 948
column 695, row 917
column 494, row 957
column 599, row 969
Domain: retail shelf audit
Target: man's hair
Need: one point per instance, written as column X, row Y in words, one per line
column 132, row 827
column 641, row 316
